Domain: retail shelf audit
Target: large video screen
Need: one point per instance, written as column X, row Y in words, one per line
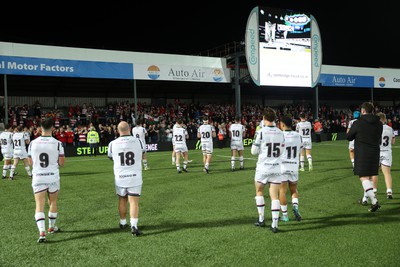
column 284, row 47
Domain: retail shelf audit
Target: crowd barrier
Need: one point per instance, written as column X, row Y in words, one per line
column 73, row 151
column 76, row 151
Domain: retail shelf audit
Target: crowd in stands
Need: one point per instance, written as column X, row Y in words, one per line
column 73, row 123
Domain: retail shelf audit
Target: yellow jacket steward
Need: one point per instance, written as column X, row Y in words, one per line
column 93, row 137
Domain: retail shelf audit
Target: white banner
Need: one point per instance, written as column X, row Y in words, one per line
column 181, row 73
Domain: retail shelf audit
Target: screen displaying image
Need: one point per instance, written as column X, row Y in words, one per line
column 284, row 47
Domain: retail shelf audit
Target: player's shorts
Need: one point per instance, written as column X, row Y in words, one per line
column 290, row 177
column 19, row 154
column 8, row 155
column 237, row 145
column 386, row 158
column 49, row 187
column 207, row 148
column 264, row 177
column 351, row 145
column 307, row 144
column 128, row 191
column 180, row 148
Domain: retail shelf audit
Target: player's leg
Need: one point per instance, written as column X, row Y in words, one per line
column 367, row 184
column 309, row 159
column 134, row 197
column 13, row 167
column 283, row 200
column 173, row 155
column 27, row 167
column 275, row 205
column 122, row 207
column 233, row 157
column 241, row 158
column 185, row 160
column 260, row 203
column 388, row 180
column 295, row 200
column 302, row 156
column 351, row 155
column 177, row 161
column 144, row 160
column 40, row 218
column 6, row 167
column 53, row 210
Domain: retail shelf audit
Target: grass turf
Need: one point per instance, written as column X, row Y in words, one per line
column 195, row 219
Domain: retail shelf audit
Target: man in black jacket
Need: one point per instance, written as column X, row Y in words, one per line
column 367, row 132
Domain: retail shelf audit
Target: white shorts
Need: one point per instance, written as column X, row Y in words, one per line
column 180, row 148
column 8, row 155
column 265, row 177
column 207, row 148
column 237, row 146
column 131, row 191
column 18, row 154
column 351, row 145
column 290, row 177
column 386, row 158
column 307, row 144
column 49, row 187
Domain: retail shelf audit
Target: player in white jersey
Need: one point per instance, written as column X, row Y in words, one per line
column 126, row 152
column 269, row 144
column 20, row 140
column 304, row 127
column 356, row 115
column 173, row 157
column 388, row 139
column 7, row 148
column 141, row 133
column 290, row 168
column 206, row 133
column 179, row 137
column 236, row 133
column 46, row 155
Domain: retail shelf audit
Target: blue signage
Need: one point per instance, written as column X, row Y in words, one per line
column 65, row 68
column 340, row 80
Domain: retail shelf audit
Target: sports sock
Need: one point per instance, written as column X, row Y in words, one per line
column 145, row 163
column 260, row 207
column 134, row 222
column 40, row 221
column 301, row 161
column 52, row 219
column 284, row 210
column 367, row 185
column 28, row 170
column 185, row 165
column 275, row 209
column 233, row 162
column 122, row 221
column 295, row 202
column 241, row 161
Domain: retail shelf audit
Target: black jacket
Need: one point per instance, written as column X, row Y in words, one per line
column 367, row 132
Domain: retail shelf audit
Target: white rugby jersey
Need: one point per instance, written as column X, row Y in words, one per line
column 140, row 133
column 291, row 153
column 387, row 136
column 44, row 152
column 304, row 129
column 351, row 123
column 19, row 142
column 206, row 131
column 7, row 145
column 179, row 135
column 237, row 131
column 271, row 143
column 126, row 152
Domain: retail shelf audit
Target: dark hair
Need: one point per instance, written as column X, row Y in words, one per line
column 237, row 118
column 269, row 114
column 368, row 107
column 287, row 121
column 302, row 115
column 46, row 124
